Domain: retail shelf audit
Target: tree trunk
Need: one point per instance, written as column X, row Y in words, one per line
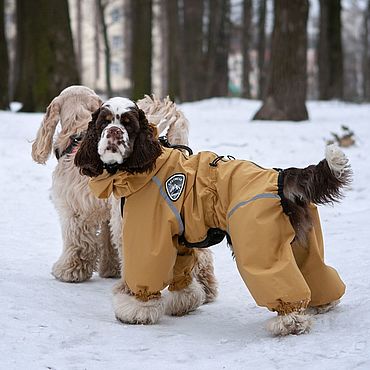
column 261, row 48
column 107, row 55
column 366, row 55
column 330, row 55
column 287, row 84
column 45, row 59
column 191, row 38
column 246, row 46
column 141, row 15
column 4, row 62
column 218, row 48
column 173, row 48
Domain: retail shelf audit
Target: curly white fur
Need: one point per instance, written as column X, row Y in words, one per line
column 179, row 303
column 336, row 159
column 293, row 323
column 130, row 310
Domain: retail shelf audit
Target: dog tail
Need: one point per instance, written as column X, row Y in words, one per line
column 319, row 184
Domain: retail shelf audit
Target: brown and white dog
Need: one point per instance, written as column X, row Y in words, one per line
column 119, row 138
column 91, row 228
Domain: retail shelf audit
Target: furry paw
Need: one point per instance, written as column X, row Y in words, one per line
column 130, row 310
column 181, row 302
column 293, row 323
column 317, row 310
column 72, row 270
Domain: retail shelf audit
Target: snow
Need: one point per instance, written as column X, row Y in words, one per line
column 46, row 324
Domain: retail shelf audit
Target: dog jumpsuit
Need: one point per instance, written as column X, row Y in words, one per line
column 191, row 202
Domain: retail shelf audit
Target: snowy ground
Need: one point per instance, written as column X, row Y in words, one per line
column 45, row 324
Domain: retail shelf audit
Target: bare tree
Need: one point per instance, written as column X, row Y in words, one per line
column 101, row 7
column 246, row 46
column 287, row 83
column 4, row 62
column 141, row 49
column 330, row 54
column 261, row 47
column 366, row 54
column 45, row 59
column 218, row 49
column 173, row 48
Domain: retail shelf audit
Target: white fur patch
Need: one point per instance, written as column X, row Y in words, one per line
column 123, row 150
column 293, row 323
column 132, row 311
column 183, row 301
column 336, row 159
column 119, row 105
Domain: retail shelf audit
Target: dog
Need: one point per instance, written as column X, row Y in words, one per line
column 91, row 228
column 178, row 204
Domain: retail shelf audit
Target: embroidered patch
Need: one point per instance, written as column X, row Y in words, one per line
column 175, row 185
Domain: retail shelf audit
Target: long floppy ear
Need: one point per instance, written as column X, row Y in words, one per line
column 87, row 157
column 42, row 145
column 146, row 148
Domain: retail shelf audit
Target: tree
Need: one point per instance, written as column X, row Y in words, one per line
column 218, row 49
column 101, row 6
column 366, row 54
column 287, row 82
column 173, row 48
column 261, row 48
column 141, row 48
column 4, row 62
column 45, row 59
column 191, row 54
column 246, row 45
column 330, row 54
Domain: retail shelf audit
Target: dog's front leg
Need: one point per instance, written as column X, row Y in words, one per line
column 78, row 259
column 132, row 309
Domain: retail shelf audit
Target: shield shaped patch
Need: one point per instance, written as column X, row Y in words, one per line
column 175, row 185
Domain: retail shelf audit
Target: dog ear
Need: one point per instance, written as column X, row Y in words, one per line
column 146, row 148
column 87, row 157
column 42, row 145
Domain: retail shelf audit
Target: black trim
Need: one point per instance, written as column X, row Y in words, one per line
column 74, row 141
column 214, row 236
column 123, row 200
column 163, row 140
column 283, row 199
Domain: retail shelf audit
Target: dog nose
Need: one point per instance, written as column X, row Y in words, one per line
column 114, row 132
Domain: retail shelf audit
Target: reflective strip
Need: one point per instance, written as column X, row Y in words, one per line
column 170, row 204
column 259, row 196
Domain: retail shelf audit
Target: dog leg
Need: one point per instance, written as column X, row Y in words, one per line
column 292, row 323
column 317, row 310
column 181, row 302
column 130, row 310
column 203, row 271
column 78, row 260
column 109, row 261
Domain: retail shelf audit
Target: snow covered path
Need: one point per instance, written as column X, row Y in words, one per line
column 46, row 324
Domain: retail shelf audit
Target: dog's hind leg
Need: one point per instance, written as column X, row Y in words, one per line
column 204, row 272
column 78, row 260
column 109, row 261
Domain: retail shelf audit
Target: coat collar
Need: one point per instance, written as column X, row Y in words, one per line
column 123, row 184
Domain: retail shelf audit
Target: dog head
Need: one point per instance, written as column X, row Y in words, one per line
column 119, row 137
column 72, row 108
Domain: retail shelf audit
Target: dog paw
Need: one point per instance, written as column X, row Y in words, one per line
column 130, row 310
column 72, row 271
column 293, row 323
column 181, row 302
column 317, row 310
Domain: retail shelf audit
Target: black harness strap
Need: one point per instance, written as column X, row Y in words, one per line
column 164, row 142
column 123, row 200
column 74, row 141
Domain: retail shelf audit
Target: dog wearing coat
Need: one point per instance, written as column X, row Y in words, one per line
column 91, row 227
column 176, row 205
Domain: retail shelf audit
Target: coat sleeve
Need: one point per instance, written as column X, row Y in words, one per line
column 150, row 233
